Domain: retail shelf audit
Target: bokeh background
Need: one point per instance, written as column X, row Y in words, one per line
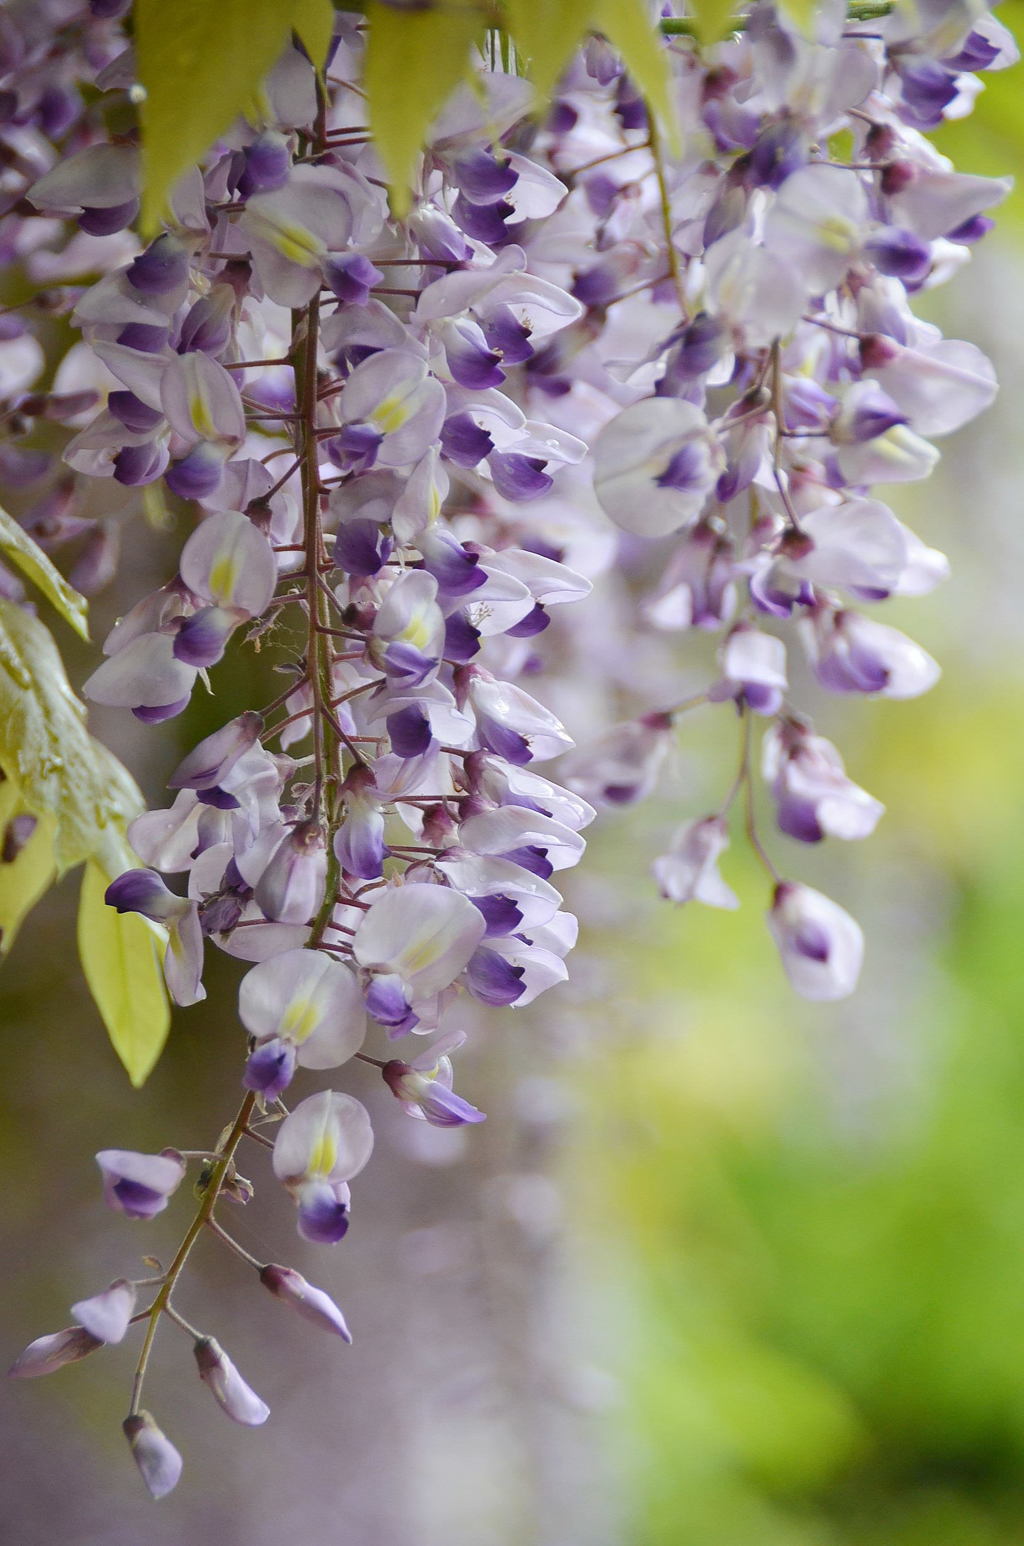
column 722, row 1268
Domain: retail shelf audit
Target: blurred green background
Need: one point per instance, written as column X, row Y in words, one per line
column 814, row 1215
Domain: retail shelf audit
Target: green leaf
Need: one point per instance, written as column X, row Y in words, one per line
column 313, row 20
column 201, row 63
column 628, row 25
column 414, row 61
column 83, row 798
column 547, row 35
column 33, row 562
column 24, row 879
column 121, row 955
column 45, row 747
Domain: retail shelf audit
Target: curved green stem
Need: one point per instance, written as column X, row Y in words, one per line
column 203, row 1215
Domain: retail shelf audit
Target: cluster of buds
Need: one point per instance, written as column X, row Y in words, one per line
column 140, row 1186
column 409, row 443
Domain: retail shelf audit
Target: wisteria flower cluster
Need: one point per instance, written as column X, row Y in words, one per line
column 401, row 444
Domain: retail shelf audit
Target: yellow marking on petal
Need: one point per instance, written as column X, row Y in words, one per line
column 199, row 413
column 299, row 1020
column 391, row 414
column 296, row 243
column 417, row 631
column 223, row 575
column 835, row 233
column 416, row 956
column 324, row 1155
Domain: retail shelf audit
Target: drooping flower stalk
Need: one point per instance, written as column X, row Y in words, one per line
column 218, row 1176
column 582, row 358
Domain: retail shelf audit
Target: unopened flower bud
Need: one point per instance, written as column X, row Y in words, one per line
column 106, row 1316
column 237, row 1398
column 311, row 1303
column 153, row 1453
column 46, row 1354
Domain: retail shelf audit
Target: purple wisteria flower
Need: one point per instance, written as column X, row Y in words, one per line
column 325, row 1141
column 424, row 1085
column 301, row 1008
column 465, row 478
column 688, row 872
column 140, row 1185
column 820, row 944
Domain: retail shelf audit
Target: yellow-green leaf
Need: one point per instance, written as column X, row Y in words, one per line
column 313, row 20
column 201, row 63
column 801, row 12
column 121, row 955
column 19, row 547
column 24, row 879
column 414, row 61
column 547, row 35
column 712, row 18
column 45, row 746
column 629, row 26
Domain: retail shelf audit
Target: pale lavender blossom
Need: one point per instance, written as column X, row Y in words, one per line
column 814, row 797
column 303, row 1007
column 291, row 884
column 753, row 670
column 851, row 653
column 325, row 1141
column 209, row 763
column 392, row 410
column 423, row 935
column 424, row 1085
column 623, row 766
column 820, row 944
column 655, row 465
column 140, row 1185
column 688, row 871
column 143, row 891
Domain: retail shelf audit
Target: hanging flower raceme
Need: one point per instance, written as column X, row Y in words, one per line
column 584, row 365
